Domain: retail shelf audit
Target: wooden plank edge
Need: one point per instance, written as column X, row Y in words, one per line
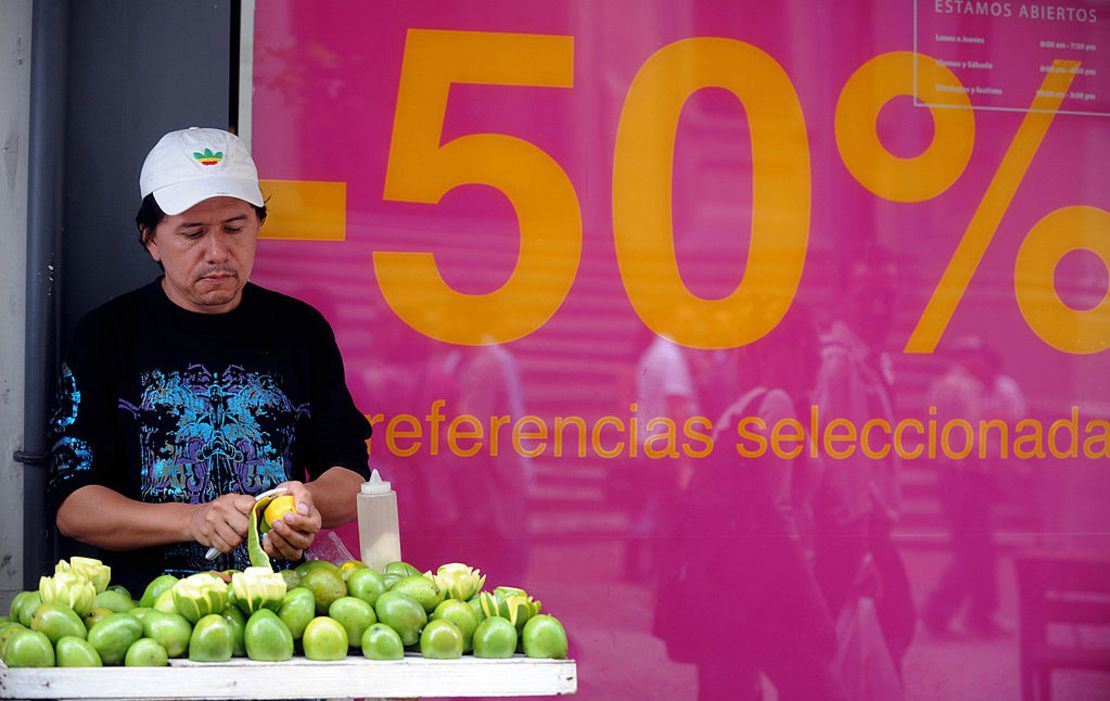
column 411, row 677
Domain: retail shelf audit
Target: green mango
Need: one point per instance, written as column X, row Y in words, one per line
column 5, row 619
column 459, row 613
column 28, row 648
column 313, row 565
column 238, row 627
column 421, row 589
column 380, row 642
column 170, row 630
column 114, row 601
column 355, row 615
column 267, row 638
column 495, row 638
column 325, row 639
column 212, row 639
column 28, row 606
column 146, row 652
column 112, row 636
column 297, row 609
column 96, row 614
column 402, row 568
column 76, row 652
column 140, row 612
column 292, row 579
column 7, row 630
column 17, row 604
column 366, row 584
column 402, row 614
column 153, row 590
column 56, row 621
column 476, row 606
column 441, row 640
column 544, row 637
column 122, row 590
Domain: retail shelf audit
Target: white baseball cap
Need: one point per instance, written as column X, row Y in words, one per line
column 195, row 164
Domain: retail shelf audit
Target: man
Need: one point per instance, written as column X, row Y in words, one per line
column 181, row 400
column 857, row 502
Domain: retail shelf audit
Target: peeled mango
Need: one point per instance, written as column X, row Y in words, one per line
column 199, row 595
column 112, row 636
column 164, row 602
column 459, row 581
column 511, row 603
column 267, row 638
column 92, row 570
column 257, row 588
column 212, row 639
column 69, row 589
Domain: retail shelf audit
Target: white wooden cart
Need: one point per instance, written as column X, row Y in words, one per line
column 412, row 677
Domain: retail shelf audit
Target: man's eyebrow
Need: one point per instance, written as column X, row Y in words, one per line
column 188, row 225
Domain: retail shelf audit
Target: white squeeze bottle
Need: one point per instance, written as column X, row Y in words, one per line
column 379, row 534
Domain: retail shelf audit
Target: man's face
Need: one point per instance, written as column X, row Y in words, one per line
column 208, row 254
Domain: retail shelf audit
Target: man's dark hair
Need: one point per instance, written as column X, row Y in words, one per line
column 150, row 215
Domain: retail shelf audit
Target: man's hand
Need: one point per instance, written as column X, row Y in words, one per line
column 221, row 523
column 291, row 535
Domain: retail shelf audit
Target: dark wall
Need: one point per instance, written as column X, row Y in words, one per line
column 137, row 69
column 132, row 70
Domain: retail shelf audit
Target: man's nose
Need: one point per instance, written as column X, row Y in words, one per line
column 216, row 249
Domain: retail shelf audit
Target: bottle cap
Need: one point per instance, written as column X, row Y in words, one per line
column 375, row 485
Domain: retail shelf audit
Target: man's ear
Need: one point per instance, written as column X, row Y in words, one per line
column 151, row 245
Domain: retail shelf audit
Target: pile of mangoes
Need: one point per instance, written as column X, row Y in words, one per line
column 321, row 610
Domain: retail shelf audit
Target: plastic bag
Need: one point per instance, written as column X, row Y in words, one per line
column 862, row 658
column 328, row 546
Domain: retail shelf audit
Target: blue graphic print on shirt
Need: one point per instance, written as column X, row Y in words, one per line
column 72, row 454
column 204, row 434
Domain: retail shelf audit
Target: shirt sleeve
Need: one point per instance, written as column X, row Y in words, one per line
column 82, row 447
column 338, row 431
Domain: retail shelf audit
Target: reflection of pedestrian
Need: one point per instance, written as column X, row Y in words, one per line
column 737, row 598
column 474, row 508
column 967, row 391
column 857, row 503
column 664, row 389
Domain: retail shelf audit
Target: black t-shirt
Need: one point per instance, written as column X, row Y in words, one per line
column 166, row 405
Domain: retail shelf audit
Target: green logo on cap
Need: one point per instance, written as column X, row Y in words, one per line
column 208, row 158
